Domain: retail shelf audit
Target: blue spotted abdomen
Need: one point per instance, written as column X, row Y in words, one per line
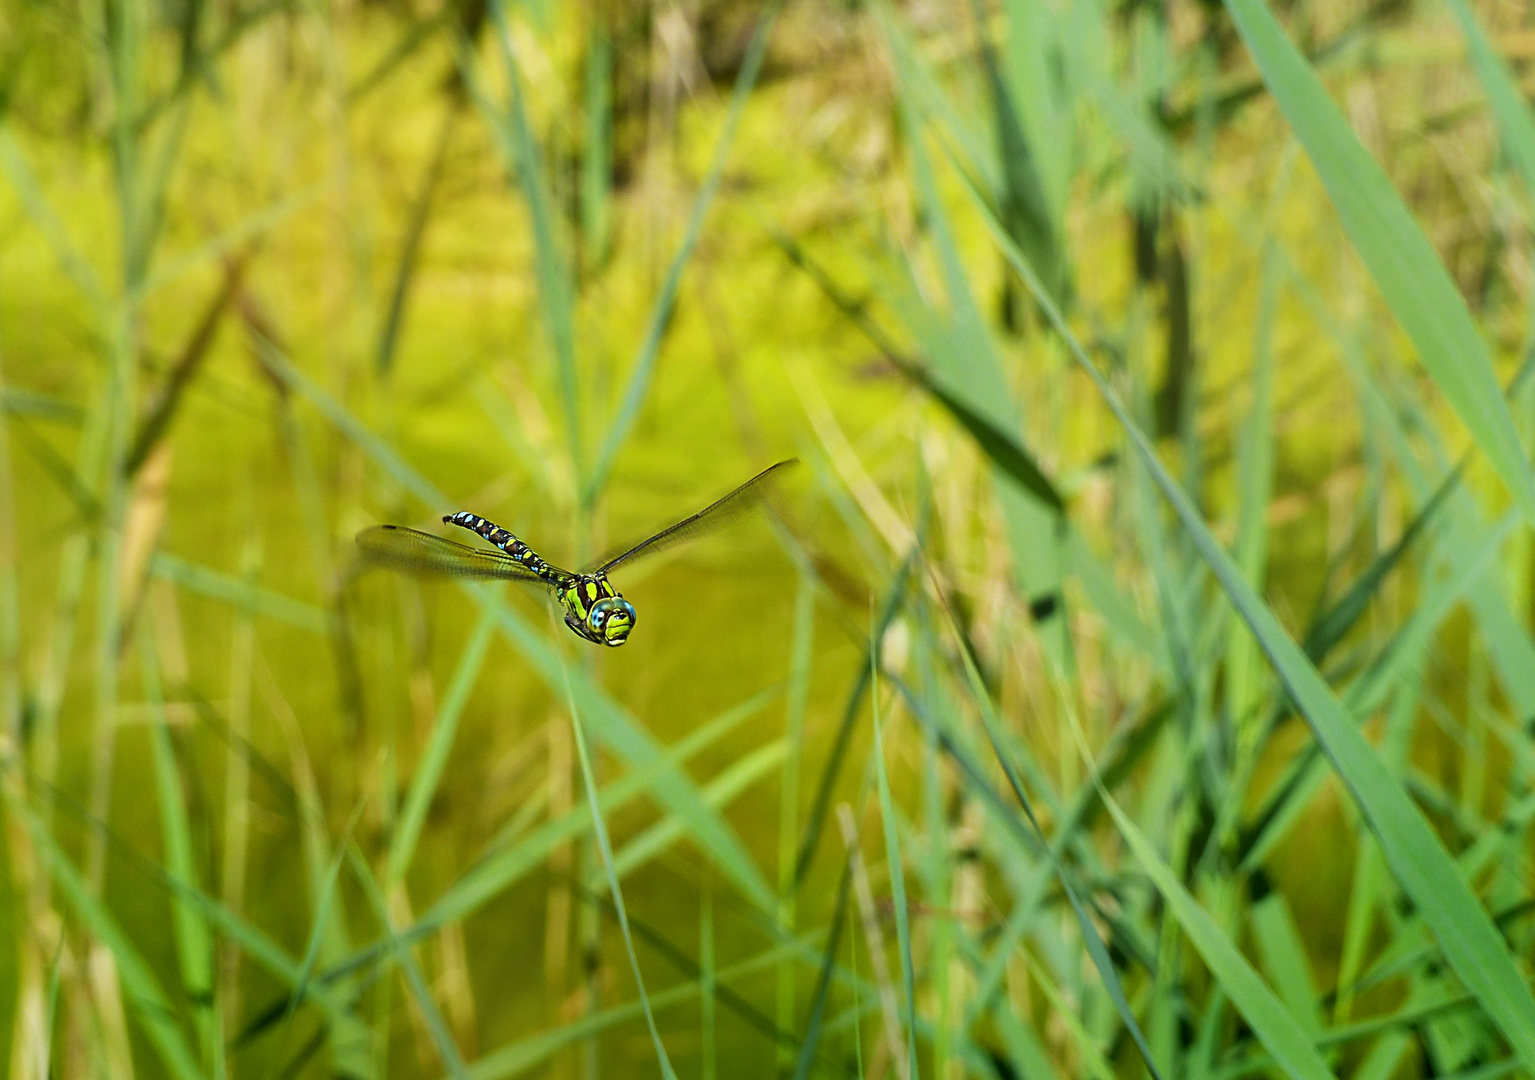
column 495, row 534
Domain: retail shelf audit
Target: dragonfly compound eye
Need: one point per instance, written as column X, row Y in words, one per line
column 611, row 619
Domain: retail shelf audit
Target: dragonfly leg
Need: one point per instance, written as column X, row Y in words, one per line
column 579, row 628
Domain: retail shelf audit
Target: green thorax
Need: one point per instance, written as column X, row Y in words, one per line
column 579, row 593
column 594, row 610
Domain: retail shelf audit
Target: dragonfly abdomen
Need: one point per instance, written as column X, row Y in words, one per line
column 502, row 539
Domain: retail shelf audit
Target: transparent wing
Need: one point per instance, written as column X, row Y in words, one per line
column 413, row 552
column 743, row 500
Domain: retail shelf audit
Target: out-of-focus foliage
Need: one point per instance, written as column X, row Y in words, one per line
column 1135, row 678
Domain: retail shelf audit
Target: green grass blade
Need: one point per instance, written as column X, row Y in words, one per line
column 194, row 943
column 1330, row 626
column 1029, row 214
column 897, row 883
column 721, row 791
column 423, row 786
column 1404, row 265
column 814, row 1029
column 1255, row 479
column 442, row 1039
column 597, row 154
column 1284, row 958
column 1045, row 119
column 502, row 865
column 600, row 831
column 638, row 384
column 617, row 729
column 145, row 995
column 555, row 285
column 15, row 165
column 1004, row 450
column 1418, row 860
column 239, row 593
column 1509, row 108
column 1280, row 1032
column 707, row 977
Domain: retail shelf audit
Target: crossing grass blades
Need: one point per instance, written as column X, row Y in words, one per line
column 594, row 610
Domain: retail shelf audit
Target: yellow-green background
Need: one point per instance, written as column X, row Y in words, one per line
column 211, row 720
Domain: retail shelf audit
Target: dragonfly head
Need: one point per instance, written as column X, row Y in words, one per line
column 610, row 620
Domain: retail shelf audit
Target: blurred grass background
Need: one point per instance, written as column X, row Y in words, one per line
column 1136, row 679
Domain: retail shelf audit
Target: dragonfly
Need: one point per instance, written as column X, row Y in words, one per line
column 594, row 609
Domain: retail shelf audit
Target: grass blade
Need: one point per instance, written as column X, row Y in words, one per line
column 143, row 990
column 1509, row 107
column 617, row 729
column 813, row 1030
column 597, row 154
column 239, row 594
column 1418, row 860
column 897, row 883
column 600, row 831
column 194, row 944
column 1406, row 269
column 1277, row 1029
column 423, row 786
column 554, row 278
column 503, row 865
column 644, row 364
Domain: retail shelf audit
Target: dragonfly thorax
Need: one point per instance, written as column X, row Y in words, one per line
column 594, row 610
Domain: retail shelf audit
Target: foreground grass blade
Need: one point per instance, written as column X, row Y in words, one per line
column 1418, row 860
column 1512, row 112
column 504, row 864
column 1004, row 450
column 1280, row 1032
column 194, row 944
column 981, row 786
column 436, row 1026
column 1404, row 265
column 897, row 880
column 434, row 758
column 600, row 831
column 142, row 989
column 619, row 731
column 813, row 1030
column 995, row 440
